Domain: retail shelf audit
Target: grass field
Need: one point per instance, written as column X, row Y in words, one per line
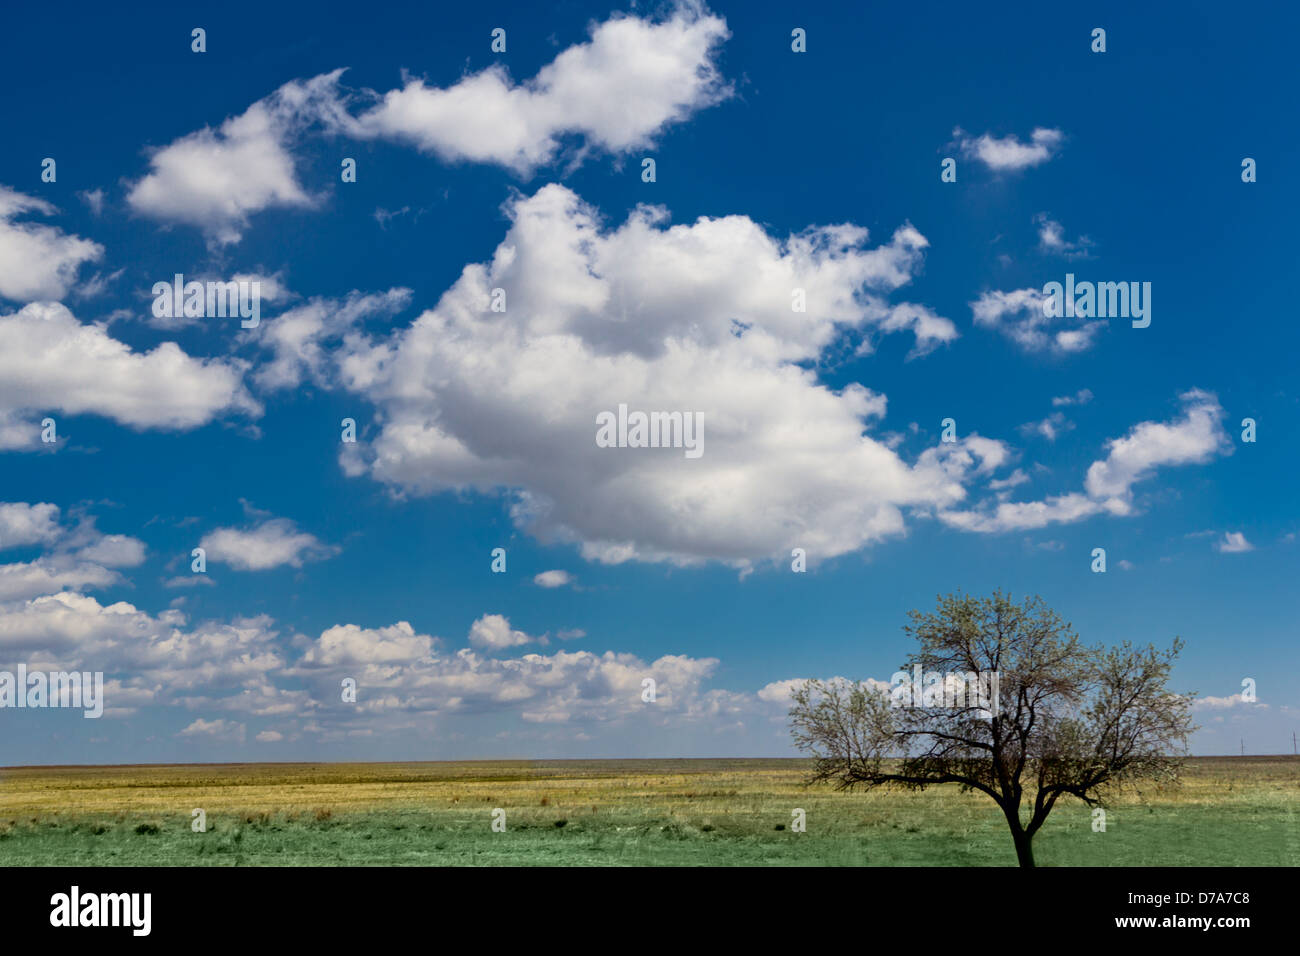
column 1229, row 811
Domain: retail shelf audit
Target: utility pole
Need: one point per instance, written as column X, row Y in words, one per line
column 1243, row 746
column 1293, row 750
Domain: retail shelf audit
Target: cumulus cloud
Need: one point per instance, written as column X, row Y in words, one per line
column 1195, row 438
column 49, row 575
column 1082, row 397
column 493, row 632
column 224, row 730
column 267, row 545
column 114, row 551
column 1009, row 153
column 633, row 78
column 50, row 362
column 1052, row 241
column 1020, row 317
column 553, row 579
column 78, row 557
column 692, row 318
column 94, row 200
column 781, row 692
column 1224, row 703
column 37, row 261
column 1017, row 477
column 349, row 644
column 237, row 671
column 564, row 687
column 22, row 523
column 1022, row 515
column 1234, row 542
column 189, row 581
column 244, row 670
column 156, row 650
column 215, row 179
column 300, row 338
column 615, row 93
column 1050, row 427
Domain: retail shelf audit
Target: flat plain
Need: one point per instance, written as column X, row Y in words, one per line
column 1227, row 811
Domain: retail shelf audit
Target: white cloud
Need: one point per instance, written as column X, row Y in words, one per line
column 216, row 179
column 47, row 576
column 1051, row 239
column 16, row 431
column 617, row 91
column 930, row 329
column 239, row 669
column 1023, row 515
column 37, row 261
column 1081, row 397
column 94, row 200
column 1234, row 542
column 1195, row 438
column 1017, row 477
column 493, row 632
column 156, row 655
column 1009, row 153
column 349, row 644
column 781, row 692
column 270, row 288
column 299, row 338
column 22, row 523
column 153, row 660
column 1050, row 427
column 692, row 318
column 189, row 581
column 1019, row 316
column 631, row 80
column 114, row 551
column 77, row 557
column 560, row 688
column 1224, row 703
column 553, row 579
column 264, row 546
column 50, row 362
column 225, row 730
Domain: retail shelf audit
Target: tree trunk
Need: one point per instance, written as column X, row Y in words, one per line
column 1023, row 840
column 1024, row 846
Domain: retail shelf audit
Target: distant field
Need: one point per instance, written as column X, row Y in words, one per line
column 1229, row 811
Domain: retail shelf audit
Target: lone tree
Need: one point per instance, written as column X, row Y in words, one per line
column 1064, row 719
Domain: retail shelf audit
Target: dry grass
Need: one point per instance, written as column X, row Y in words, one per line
column 1228, row 810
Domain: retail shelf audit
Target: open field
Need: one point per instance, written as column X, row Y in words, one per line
column 1229, row 811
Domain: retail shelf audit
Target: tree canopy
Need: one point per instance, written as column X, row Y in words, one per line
column 1063, row 719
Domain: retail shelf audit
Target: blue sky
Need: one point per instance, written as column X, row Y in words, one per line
column 522, row 170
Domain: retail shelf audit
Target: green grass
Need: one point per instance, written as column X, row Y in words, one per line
column 1229, row 811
